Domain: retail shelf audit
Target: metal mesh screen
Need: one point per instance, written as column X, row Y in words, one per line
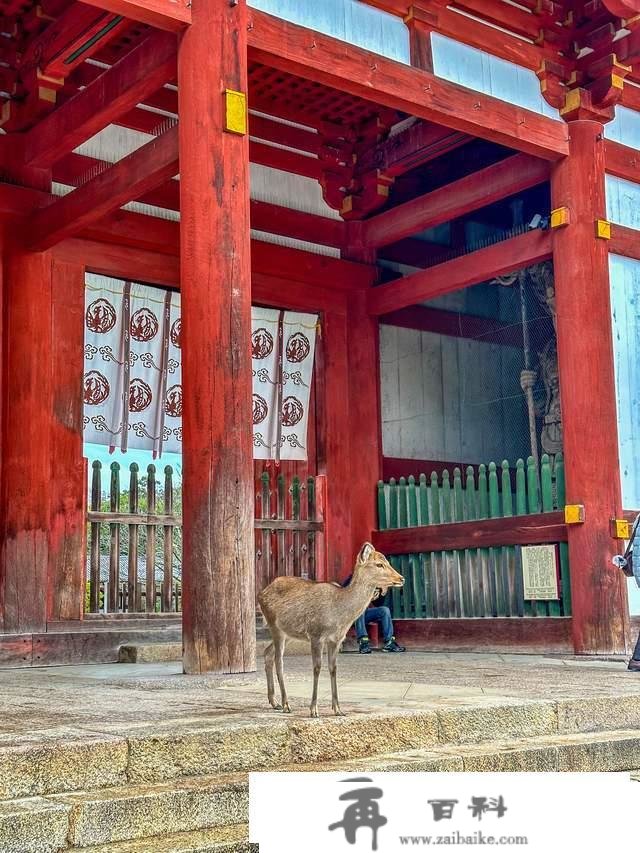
column 472, row 377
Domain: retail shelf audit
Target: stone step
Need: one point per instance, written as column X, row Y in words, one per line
column 132, row 812
column 67, row 759
column 169, row 652
column 33, row 826
column 150, row 652
column 594, row 752
column 225, row 839
column 148, row 814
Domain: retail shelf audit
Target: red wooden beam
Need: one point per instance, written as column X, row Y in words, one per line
column 622, row 161
column 333, row 273
column 476, row 33
column 172, row 15
column 271, row 218
column 624, row 241
column 128, row 179
column 286, row 222
column 152, row 234
column 455, row 325
column 472, row 192
column 284, row 134
column 128, row 82
column 546, row 527
column 286, row 161
column 347, row 68
column 482, row 265
column 413, row 147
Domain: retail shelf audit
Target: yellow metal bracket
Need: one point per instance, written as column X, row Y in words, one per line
column 235, row 116
column 620, row 529
column 603, row 229
column 559, row 217
column 574, row 514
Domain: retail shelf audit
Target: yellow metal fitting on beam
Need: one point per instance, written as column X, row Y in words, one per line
column 574, row 514
column 235, row 119
column 559, row 217
column 620, row 529
column 603, row 229
column 572, row 101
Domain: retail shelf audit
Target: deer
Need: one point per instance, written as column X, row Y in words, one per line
column 322, row 613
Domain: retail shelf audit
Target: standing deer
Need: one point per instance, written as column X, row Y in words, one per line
column 321, row 613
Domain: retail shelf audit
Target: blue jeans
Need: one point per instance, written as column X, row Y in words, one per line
column 382, row 615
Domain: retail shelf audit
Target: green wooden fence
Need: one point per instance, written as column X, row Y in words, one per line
column 475, row 582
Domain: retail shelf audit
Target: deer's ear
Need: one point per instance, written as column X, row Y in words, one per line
column 365, row 552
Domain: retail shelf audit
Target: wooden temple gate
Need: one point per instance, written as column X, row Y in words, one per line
column 394, row 151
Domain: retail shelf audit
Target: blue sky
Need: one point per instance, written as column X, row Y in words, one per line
column 142, row 457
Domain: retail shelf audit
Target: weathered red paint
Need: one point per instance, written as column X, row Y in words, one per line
column 587, row 389
column 218, row 579
column 26, row 442
column 67, row 532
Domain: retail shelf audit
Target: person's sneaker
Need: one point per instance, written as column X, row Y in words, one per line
column 634, row 665
column 365, row 648
column 392, row 646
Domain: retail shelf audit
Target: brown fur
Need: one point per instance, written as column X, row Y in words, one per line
column 321, row 613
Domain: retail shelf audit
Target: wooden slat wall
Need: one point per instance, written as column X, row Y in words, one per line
column 455, row 541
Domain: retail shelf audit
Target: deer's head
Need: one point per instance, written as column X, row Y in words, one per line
column 377, row 568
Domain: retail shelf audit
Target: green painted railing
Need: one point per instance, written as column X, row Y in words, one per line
column 475, row 582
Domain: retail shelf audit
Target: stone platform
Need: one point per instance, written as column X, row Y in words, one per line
column 134, row 758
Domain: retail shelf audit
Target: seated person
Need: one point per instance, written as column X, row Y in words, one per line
column 375, row 612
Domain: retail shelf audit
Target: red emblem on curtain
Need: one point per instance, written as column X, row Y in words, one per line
column 173, row 402
column 176, row 332
column 298, row 348
column 261, row 343
column 144, row 325
column 292, row 411
column 260, row 409
column 100, row 317
column 140, row 395
column 96, row 388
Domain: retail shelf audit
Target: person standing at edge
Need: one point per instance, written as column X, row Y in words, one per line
column 375, row 612
column 629, row 562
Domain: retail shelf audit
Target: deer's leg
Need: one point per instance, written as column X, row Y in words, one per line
column 269, row 662
column 332, row 654
column 317, row 647
column 279, row 641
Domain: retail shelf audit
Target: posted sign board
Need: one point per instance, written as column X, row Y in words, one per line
column 540, row 572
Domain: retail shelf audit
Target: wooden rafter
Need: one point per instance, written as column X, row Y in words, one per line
column 131, row 177
column 317, row 57
column 472, row 192
column 113, row 93
column 476, row 267
column 172, row 15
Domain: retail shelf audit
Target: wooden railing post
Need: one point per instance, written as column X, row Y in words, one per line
column 133, row 597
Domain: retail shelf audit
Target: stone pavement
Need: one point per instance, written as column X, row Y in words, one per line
column 123, row 694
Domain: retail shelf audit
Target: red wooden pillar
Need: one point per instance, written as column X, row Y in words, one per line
column 334, row 451
column 25, row 494
column 365, row 421
column 68, row 476
column 587, row 387
column 364, row 418
column 218, row 580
